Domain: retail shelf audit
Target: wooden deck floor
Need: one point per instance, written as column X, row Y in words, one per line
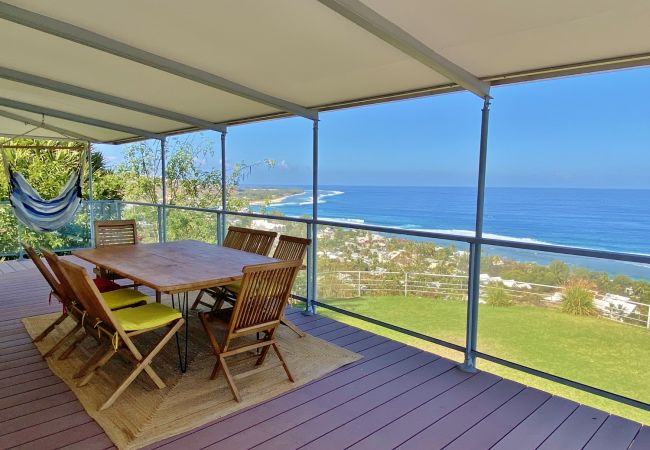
column 395, row 397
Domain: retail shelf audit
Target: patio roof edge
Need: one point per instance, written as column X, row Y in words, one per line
column 539, row 74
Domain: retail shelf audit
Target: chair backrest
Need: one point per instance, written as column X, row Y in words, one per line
column 51, row 279
column 236, row 237
column 291, row 248
column 250, row 240
column 55, row 264
column 114, row 232
column 264, row 294
column 87, row 294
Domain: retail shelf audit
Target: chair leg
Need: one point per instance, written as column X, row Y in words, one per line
column 229, row 379
column 51, row 327
column 284, row 363
column 262, row 357
column 61, row 341
column 215, row 370
column 83, row 371
column 73, row 346
column 198, row 300
column 144, row 365
column 92, row 369
column 292, row 326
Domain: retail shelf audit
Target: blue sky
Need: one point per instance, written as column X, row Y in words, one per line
column 584, row 131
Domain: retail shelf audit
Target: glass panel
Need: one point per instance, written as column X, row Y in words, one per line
column 415, row 283
column 280, row 226
column 9, row 242
column 197, row 225
column 193, row 170
column 128, row 172
column 269, row 167
column 408, row 164
column 147, row 220
column 72, row 236
column 569, row 167
column 579, row 318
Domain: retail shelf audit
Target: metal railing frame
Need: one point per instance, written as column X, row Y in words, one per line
column 475, row 244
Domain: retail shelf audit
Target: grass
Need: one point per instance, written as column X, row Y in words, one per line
column 594, row 351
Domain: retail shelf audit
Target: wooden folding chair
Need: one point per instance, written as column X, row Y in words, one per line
column 289, row 248
column 245, row 239
column 113, row 232
column 56, row 291
column 115, row 299
column 260, row 304
column 59, row 293
column 119, row 327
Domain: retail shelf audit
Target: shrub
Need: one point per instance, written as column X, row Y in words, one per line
column 496, row 295
column 578, row 298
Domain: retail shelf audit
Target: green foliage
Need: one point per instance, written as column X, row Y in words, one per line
column 496, row 295
column 578, row 298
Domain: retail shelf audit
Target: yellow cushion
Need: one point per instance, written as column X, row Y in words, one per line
column 148, row 316
column 234, row 287
column 121, row 298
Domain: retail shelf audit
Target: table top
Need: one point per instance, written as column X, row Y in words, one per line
column 174, row 267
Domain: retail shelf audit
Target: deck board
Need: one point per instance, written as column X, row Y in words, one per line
column 395, row 395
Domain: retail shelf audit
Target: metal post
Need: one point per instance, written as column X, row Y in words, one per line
column 406, row 284
column 359, row 283
column 91, row 209
column 162, row 232
column 224, row 199
column 20, row 240
column 469, row 365
column 311, row 269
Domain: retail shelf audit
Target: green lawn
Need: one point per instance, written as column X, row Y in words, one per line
column 597, row 352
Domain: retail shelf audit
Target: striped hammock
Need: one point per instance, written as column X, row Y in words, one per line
column 44, row 215
column 36, row 213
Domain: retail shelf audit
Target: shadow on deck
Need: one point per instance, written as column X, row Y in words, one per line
column 396, row 396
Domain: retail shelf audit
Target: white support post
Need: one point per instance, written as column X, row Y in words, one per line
column 359, row 283
column 406, row 284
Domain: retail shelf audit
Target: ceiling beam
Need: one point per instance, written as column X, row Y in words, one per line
column 77, row 118
column 88, row 94
column 90, row 39
column 45, row 126
column 374, row 23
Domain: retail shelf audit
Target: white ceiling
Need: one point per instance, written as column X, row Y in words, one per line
column 299, row 51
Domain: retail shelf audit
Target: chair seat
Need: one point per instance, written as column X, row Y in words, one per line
column 105, row 285
column 99, row 272
column 233, row 287
column 148, row 316
column 122, row 298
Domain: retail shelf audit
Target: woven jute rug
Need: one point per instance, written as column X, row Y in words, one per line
column 144, row 414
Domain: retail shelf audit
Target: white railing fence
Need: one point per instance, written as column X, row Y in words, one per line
column 349, row 284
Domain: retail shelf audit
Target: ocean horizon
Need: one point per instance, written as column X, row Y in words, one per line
column 602, row 219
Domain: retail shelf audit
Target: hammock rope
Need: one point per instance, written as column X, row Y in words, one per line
column 32, row 210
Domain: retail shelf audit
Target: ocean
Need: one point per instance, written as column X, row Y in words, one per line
column 603, row 219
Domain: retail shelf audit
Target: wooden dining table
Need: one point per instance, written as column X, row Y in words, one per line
column 175, row 268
